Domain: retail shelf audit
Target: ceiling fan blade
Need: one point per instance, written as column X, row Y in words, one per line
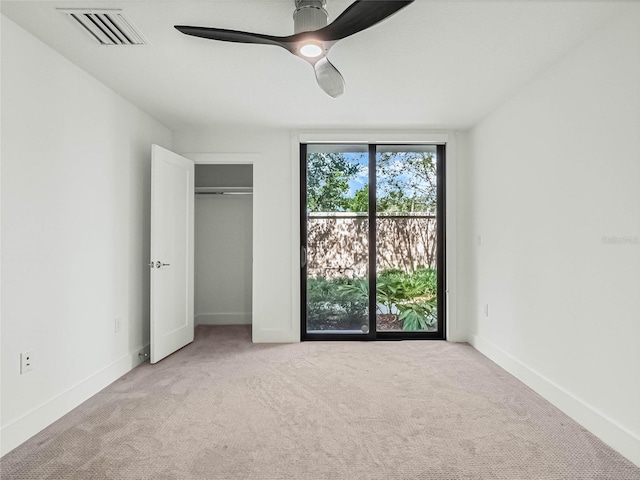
column 359, row 16
column 329, row 78
column 234, row 36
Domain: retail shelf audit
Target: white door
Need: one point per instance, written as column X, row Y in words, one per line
column 172, row 197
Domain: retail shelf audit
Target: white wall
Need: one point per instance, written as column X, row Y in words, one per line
column 223, row 259
column 276, row 282
column 75, row 228
column 549, row 178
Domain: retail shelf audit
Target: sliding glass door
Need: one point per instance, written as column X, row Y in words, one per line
column 336, row 225
column 371, row 221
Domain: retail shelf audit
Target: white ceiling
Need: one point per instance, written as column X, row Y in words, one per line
column 435, row 64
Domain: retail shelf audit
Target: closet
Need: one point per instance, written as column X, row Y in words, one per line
column 223, row 244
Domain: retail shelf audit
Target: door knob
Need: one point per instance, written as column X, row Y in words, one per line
column 160, row 264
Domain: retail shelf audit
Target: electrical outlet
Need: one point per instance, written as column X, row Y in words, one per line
column 486, row 310
column 117, row 324
column 26, row 362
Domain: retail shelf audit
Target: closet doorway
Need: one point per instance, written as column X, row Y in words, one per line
column 223, row 243
column 201, row 245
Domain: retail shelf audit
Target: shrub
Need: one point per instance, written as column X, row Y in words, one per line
column 418, row 315
column 331, row 307
column 411, row 296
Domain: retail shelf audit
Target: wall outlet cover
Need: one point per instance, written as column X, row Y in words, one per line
column 26, row 362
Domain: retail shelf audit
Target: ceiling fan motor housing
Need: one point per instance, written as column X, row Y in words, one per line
column 310, row 15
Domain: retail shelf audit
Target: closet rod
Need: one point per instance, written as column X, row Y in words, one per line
column 224, row 191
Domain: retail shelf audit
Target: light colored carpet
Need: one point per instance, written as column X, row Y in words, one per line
column 223, row 408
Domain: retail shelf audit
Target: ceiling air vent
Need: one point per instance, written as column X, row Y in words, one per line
column 108, row 27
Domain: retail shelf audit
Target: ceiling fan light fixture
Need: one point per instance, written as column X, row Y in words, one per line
column 313, row 37
column 311, row 50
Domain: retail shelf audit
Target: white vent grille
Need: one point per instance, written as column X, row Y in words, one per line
column 107, row 27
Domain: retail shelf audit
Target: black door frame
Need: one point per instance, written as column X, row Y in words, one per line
column 373, row 334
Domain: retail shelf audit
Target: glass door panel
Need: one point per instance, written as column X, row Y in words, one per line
column 337, row 239
column 406, row 238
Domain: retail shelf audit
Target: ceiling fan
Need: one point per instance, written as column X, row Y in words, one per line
column 313, row 37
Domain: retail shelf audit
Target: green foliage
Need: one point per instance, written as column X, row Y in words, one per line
column 328, row 176
column 419, row 315
column 396, row 201
column 407, row 181
column 390, row 288
column 360, row 200
column 331, row 304
column 421, row 283
column 356, row 289
column 396, row 286
column 411, row 295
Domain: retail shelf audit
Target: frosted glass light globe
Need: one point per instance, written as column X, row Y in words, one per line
column 311, row 50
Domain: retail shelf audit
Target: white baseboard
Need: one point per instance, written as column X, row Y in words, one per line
column 233, row 318
column 41, row 417
column 609, row 431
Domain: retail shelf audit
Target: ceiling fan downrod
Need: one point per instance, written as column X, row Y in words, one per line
column 310, row 15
